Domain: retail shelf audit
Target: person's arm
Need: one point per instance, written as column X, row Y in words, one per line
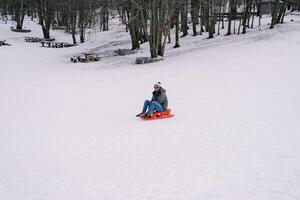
column 160, row 99
column 152, row 99
column 153, row 95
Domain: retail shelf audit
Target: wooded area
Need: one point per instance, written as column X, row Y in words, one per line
column 147, row 20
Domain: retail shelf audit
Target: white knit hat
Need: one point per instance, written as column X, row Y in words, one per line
column 157, row 84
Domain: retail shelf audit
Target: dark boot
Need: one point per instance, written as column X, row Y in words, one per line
column 143, row 115
column 139, row 115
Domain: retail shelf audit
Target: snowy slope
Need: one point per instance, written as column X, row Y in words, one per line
column 69, row 132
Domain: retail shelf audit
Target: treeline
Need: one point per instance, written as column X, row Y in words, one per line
column 148, row 20
column 73, row 15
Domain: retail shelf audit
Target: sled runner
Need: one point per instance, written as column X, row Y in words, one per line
column 159, row 115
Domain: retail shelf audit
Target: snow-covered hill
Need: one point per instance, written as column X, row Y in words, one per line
column 69, row 131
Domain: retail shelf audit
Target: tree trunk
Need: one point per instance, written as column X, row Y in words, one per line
column 45, row 12
column 244, row 19
column 195, row 15
column 19, row 14
column 183, row 17
column 230, row 16
column 274, row 14
column 177, row 30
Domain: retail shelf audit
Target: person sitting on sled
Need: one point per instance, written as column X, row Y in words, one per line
column 159, row 102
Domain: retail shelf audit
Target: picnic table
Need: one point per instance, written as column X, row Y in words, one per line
column 4, row 43
column 86, row 57
column 31, row 39
column 51, row 44
column 37, row 39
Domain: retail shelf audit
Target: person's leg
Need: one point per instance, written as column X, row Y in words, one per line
column 146, row 105
column 155, row 106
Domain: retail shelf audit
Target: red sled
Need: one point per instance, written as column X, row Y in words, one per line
column 159, row 115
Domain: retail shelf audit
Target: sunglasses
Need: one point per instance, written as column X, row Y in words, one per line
column 156, row 87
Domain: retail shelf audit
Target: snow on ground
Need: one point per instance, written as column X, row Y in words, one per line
column 68, row 131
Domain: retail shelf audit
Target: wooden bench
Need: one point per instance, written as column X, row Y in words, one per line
column 4, row 43
column 46, row 43
column 32, row 39
column 37, row 39
column 51, row 44
column 86, row 57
